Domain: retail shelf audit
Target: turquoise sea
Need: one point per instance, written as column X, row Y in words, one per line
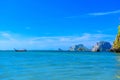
column 59, row 66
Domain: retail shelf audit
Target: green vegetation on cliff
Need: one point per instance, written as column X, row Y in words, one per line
column 119, row 29
column 116, row 44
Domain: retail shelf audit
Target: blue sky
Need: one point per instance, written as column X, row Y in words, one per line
column 53, row 24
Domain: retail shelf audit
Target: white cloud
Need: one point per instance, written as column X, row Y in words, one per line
column 104, row 13
column 6, row 35
column 50, row 42
column 95, row 14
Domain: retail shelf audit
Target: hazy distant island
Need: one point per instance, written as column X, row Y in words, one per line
column 79, row 47
column 101, row 46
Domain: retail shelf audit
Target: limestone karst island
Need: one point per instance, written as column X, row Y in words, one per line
column 116, row 43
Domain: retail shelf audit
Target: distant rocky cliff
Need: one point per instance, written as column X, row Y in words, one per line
column 79, row 47
column 101, row 46
column 116, row 43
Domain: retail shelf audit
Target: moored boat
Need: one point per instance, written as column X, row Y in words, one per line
column 22, row 50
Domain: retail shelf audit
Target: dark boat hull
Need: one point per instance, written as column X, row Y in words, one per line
column 20, row 50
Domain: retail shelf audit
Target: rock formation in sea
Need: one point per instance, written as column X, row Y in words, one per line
column 79, row 47
column 101, row 46
column 116, row 43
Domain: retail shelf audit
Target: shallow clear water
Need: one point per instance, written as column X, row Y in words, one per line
column 59, row 66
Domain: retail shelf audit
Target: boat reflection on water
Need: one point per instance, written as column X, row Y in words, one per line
column 22, row 50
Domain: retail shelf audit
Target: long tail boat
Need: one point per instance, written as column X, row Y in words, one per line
column 22, row 50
